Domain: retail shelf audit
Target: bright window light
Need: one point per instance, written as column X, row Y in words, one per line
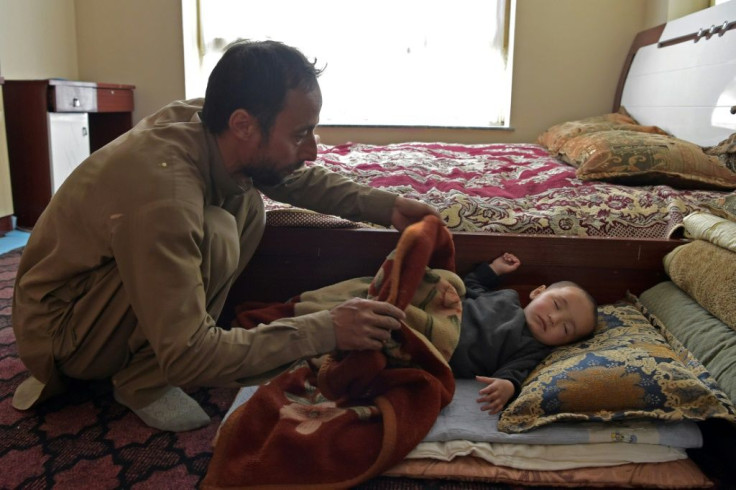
column 387, row 62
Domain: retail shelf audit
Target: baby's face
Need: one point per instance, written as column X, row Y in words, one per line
column 560, row 316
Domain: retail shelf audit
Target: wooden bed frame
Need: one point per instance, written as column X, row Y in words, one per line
column 292, row 260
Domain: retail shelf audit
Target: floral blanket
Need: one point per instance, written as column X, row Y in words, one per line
column 339, row 421
column 502, row 188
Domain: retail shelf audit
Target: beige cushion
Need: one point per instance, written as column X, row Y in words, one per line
column 707, row 273
column 705, row 226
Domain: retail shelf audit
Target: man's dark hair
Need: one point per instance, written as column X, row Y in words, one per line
column 255, row 76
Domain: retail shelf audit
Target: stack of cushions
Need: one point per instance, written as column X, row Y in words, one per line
column 706, row 267
column 698, row 304
column 615, row 148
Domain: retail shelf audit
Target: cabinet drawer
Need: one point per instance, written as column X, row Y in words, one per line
column 114, row 100
column 73, row 98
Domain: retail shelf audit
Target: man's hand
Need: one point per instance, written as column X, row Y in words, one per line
column 408, row 211
column 496, row 394
column 505, row 263
column 363, row 324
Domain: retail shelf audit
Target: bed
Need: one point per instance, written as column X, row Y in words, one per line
column 566, row 213
column 504, row 188
column 571, row 182
column 587, row 187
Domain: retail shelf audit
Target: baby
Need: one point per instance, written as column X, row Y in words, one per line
column 501, row 342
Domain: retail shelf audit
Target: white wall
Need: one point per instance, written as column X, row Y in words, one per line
column 38, row 39
column 136, row 42
column 569, row 54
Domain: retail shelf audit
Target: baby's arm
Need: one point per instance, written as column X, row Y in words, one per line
column 496, row 393
column 485, row 276
column 505, row 263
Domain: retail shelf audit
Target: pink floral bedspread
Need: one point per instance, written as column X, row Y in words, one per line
column 503, row 188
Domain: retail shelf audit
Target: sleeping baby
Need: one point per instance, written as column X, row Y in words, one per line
column 501, row 342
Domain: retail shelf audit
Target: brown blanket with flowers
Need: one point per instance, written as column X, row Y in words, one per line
column 359, row 412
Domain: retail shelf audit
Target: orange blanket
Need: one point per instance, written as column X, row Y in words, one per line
column 361, row 412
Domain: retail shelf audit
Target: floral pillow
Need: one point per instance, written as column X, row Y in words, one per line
column 626, row 370
column 556, row 136
column 637, row 158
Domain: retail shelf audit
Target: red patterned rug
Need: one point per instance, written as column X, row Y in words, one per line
column 84, row 439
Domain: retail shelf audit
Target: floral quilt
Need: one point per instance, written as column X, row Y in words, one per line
column 502, row 188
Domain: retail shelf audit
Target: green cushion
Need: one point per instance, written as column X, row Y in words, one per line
column 708, row 338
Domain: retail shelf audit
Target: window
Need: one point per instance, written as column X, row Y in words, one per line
column 388, row 63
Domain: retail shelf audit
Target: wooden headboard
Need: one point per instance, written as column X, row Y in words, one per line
column 680, row 76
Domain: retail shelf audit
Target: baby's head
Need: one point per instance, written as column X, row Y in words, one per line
column 561, row 313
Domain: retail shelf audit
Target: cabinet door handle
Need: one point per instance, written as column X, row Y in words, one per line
column 84, row 131
column 75, row 102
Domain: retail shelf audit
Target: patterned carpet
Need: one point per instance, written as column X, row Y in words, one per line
column 84, row 439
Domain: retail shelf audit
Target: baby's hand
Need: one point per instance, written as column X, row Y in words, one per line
column 504, row 264
column 496, row 394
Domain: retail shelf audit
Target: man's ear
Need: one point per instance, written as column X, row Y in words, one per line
column 242, row 124
column 537, row 291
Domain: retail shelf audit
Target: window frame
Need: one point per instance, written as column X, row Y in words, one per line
column 195, row 83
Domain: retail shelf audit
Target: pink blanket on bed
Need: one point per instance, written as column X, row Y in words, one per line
column 503, row 188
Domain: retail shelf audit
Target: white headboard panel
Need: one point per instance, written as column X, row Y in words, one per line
column 688, row 88
column 703, row 19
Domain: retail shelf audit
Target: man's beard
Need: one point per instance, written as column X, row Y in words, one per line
column 264, row 172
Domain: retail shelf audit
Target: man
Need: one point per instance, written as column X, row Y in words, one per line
column 128, row 268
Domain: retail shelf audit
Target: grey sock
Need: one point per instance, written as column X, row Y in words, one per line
column 175, row 411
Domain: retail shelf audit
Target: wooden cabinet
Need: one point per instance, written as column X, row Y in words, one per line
column 52, row 125
column 6, row 193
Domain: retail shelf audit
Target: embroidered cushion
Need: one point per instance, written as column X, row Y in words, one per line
column 725, row 151
column 635, row 158
column 628, row 369
column 556, row 136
